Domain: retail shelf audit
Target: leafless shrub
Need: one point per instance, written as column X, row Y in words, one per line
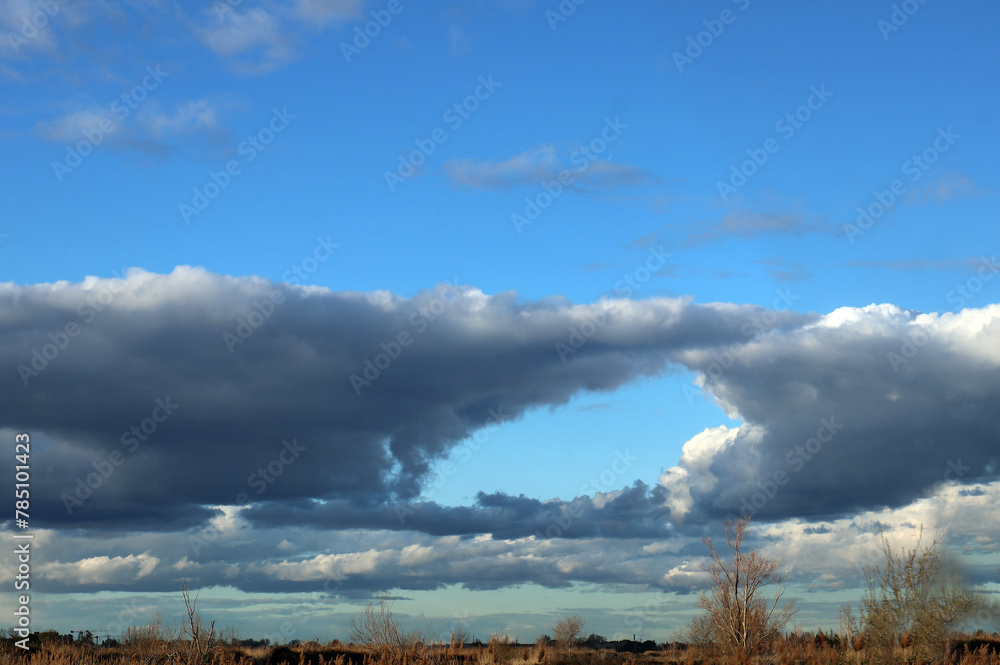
column 917, row 592
column 745, row 621
column 567, row 632
column 150, row 642
column 201, row 638
column 378, row 630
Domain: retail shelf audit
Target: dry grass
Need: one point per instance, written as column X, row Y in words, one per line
column 787, row 652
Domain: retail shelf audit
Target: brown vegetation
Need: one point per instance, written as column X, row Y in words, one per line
column 742, row 620
column 913, row 598
column 805, row 649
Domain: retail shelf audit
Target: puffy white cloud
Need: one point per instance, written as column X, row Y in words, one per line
column 101, row 569
column 694, row 469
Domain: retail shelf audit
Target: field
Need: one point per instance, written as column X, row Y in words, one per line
column 808, row 650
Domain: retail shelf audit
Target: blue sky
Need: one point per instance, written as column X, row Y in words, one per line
column 640, row 158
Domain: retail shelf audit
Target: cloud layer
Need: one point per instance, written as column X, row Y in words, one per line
column 192, row 385
column 277, row 437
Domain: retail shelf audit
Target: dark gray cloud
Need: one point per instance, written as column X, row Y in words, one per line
column 867, row 408
column 858, row 410
column 633, row 512
column 354, row 563
column 190, row 389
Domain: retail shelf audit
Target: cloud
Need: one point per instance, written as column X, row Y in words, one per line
column 188, row 118
column 693, row 471
column 632, row 512
column 651, row 239
column 527, row 168
column 26, row 35
column 459, row 41
column 859, row 416
column 947, row 265
column 325, row 12
column 68, row 40
column 790, row 275
column 545, row 164
column 355, row 563
column 102, row 569
column 318, row 379
column 946, row 188
column 191, row 127
column 697, row 272
column 784, row 270
column 253, row 38
column 862, row 409
column 745, row 223
column 73, row 126
column 262, row 37
column 204, row 383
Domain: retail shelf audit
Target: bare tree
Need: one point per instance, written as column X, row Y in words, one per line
column 378, row 629
column 201, row 638
column 848, row 626
column 568, row 631
column 914, row 591
column 745, row 620
column 459, row 636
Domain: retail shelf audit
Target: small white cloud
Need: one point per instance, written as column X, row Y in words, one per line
column 947, row 187
column 102, row 569
column 189, row 117
column 75, row 126
column 255, row 34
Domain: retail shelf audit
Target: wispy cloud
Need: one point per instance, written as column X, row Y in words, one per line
column 651, row 239
column 944, row 265
column 325, row 12
column 746, row 223
column 946, row 188
column 255, row 39
column 459, row 41
column 68, row 32
column 192, row 127
column 261, row 38
column 527, row 168
column 544, row 163
column 681, row 271
column 783, row 270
